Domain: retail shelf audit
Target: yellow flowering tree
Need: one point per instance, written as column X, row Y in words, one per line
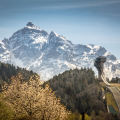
column 29, row 98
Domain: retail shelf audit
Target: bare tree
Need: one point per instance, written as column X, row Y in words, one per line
column 32, row 99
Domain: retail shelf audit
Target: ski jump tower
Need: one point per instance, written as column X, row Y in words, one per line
column 98, row 63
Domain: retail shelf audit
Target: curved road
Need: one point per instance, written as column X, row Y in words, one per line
column 116, row 95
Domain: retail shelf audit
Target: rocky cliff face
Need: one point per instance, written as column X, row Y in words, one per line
column 51, row 54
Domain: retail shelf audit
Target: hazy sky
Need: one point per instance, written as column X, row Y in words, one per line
column 80, row 21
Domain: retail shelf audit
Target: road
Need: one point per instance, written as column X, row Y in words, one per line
column 116, row 95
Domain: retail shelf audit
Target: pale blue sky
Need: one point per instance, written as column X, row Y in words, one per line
column 80, row 21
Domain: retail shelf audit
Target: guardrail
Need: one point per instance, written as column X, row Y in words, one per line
column 117, row 88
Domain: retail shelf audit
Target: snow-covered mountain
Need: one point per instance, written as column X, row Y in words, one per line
column 51, row 54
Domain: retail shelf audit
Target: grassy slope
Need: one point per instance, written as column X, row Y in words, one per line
column 111, row 101
column 116, row 84
column 109, row 96
column 118, row 88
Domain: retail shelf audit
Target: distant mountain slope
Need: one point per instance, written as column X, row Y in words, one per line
column 78, row 89
column 51, row 54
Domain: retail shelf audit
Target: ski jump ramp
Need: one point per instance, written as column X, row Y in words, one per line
column 104, row 79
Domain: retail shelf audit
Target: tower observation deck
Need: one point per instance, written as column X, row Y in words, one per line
column 98, row 63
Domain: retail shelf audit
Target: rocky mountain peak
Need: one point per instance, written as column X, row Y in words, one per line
column 52, row 34
column 30, row 24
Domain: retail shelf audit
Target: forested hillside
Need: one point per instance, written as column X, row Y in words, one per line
column 7, row 70
column 79, row 89
column 25, row 97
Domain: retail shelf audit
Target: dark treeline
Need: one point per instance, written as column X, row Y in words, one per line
column 79, row 90
column 115, row 80
column 7, row 70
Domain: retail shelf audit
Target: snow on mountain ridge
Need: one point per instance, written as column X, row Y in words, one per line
column 51, row 54
column 5, row 53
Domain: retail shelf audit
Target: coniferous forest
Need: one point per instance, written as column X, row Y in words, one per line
column 79, row 90
column 7, row 70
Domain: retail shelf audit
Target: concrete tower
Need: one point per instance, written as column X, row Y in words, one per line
column 98, row 63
